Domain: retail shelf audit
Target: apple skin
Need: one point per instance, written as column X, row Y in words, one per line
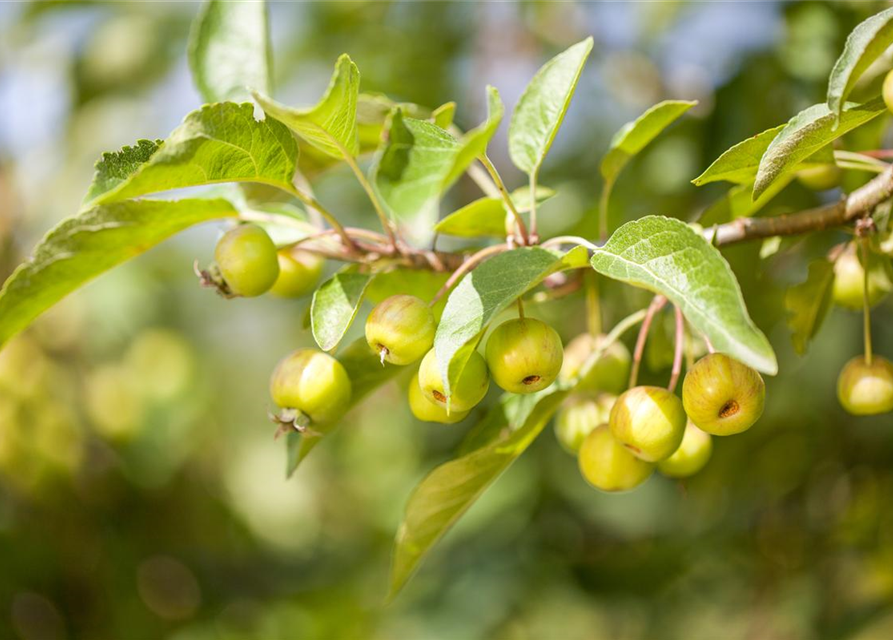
column 401, row 329
column 866, row 390
column 579, row 416
column 723, row 396
column 427, row 411
column 524, row 355
column 849, row 288
column 610, row 374
column 887, row 91
column 299, row 273
column 469, row 390
column 609, row 466
column 820, row 178
column 691, row 456
column 313, row 382
column 246, row 257
column 649, row 421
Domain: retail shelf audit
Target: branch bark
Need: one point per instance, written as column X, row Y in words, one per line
column 859, row 203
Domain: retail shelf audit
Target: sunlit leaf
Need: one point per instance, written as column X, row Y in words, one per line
column 229, row 50
column 487, row 216
column 335, row 305
column 636, row 135
column 218, row 143
column 90, row 243
column 805, row 134
column 740, row 163
column 413, row 165
column 666, row 256
column 474, row 143
column 486, row 291
column 331, row 125
column 808, row 302
column 117, row 166
column 448, row 491
column 542, row 106
column 865, row 44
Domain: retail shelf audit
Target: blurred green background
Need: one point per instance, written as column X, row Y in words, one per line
column 143, row 496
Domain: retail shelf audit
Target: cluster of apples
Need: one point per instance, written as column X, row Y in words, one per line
column 620, row 440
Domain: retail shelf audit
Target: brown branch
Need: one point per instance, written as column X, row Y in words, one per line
column 859, row 203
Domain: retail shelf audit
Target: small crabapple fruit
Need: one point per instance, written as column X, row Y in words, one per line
column 849, row 280
column 649, row 421
column 723, row 396
column 427, row 411
column 579, row 416
column 608, row 465
column 524, row 355
column 609, row 374
column 246, row 257
column 820, row 177
column 887, row 91
column 299, row 273
column 469, row 389
column 866, row 389
column 312, row 382
column 401, row 329
column 691, row 456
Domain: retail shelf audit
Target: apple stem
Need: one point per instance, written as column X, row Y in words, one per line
column 656, row 305
column 866, row 307
column 593, row 310
column 677, row 354
column 520, row 308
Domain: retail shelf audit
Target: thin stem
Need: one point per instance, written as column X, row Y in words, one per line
column 533, row 237
column 862, row 166
column 373, row 197
column 577, row 240
column 866, row 307
column 520, row 308
column 310, row 201
column 603, row 200
column 482, row 180
column 507, row 198
column 656, row 305
column 863, row 158
column 473, row 261
column 677, row 354
column 593, row 310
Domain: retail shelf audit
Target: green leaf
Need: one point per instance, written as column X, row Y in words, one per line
column 218, row 143
column 335, row 305
column 486, row 291
column 447, row 492
column 865, row 44
column 229, row 50
column 666, row 256
column 638, row 134
column 740, row 163
column 474, row 143
column 366, row 374
column 330, row 126
column 443, row 115
column 805, row 134
column 116, row 167
column 808, row 302
column 738, row 202
column 486, row 216
column 82, row 247
column 412, row 166
column 542, row 106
